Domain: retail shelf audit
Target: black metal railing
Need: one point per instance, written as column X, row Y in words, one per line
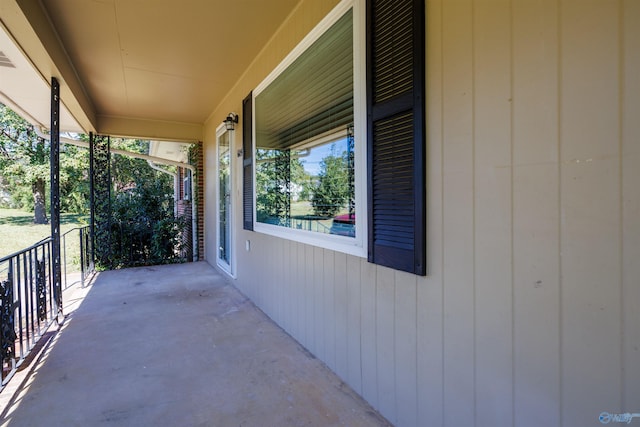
column 81, row 258
column 29, row 304
column 310, row 223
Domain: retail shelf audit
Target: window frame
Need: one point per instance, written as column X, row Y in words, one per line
column 351, row 245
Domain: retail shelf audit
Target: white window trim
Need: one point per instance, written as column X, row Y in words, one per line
column 229, row 268
column 350, row 245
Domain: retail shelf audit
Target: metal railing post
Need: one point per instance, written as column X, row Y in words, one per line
column 82, row 261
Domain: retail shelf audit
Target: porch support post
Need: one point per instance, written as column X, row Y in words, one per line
column 92, row 226
column 55, row 193
column 100, row 175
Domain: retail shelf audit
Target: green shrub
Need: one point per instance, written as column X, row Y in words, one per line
column 144, row 230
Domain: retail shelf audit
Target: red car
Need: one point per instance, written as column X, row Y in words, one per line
column 344, row 225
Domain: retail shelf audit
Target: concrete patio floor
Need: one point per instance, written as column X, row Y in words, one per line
column 176, row 346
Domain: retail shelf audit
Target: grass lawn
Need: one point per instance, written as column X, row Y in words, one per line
column 17, row 232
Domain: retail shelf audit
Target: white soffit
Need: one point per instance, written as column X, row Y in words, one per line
column 25, row 91
column 170, row 150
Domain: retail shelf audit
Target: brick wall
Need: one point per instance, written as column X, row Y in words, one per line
column 197, row 190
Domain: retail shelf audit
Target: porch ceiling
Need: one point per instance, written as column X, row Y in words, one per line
column 140, row 62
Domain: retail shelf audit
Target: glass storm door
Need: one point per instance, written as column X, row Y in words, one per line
column 224, row 201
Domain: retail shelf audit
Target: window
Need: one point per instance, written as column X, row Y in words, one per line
column 307, row 153
column 186, row 186
column 334, row 146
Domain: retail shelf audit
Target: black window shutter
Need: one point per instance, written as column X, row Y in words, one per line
column 247, row 163
column 396, row 134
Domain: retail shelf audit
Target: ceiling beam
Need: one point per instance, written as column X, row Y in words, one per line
column 149, row 129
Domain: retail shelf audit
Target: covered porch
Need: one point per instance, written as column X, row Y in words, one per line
column 519, row 153
column 175, row 345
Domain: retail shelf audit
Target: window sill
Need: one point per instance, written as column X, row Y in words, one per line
column 348, row 245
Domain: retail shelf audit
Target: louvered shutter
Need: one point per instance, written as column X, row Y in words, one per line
column 247, row 163
column 396, row 129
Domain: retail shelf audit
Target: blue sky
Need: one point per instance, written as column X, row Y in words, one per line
column 311, row 163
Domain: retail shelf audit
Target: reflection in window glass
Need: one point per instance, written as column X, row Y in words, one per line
column 224, row 199
column 304, row 146
column 308, row 189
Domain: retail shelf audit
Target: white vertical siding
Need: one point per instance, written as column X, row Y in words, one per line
column 459, row 211
column 329, row 318
column 630, row 128
column 340, row 303
column 430, row 372
column 307, row 303
column 530, row 314
column 493, row 308
column 385, row 341
column 536, row 214
column 354, row 325
column 318, row 301
column 368, row 333
column 406, row 355
column 590, row 244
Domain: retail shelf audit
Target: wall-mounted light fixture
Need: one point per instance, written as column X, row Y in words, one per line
column 230, row 121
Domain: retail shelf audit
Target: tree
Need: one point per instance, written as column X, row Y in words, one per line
column 279, row 174
column 24, row 168
column 24, row 159
column 270, row 195
column 74, row 178
column 332, row 192
column 127, row 172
